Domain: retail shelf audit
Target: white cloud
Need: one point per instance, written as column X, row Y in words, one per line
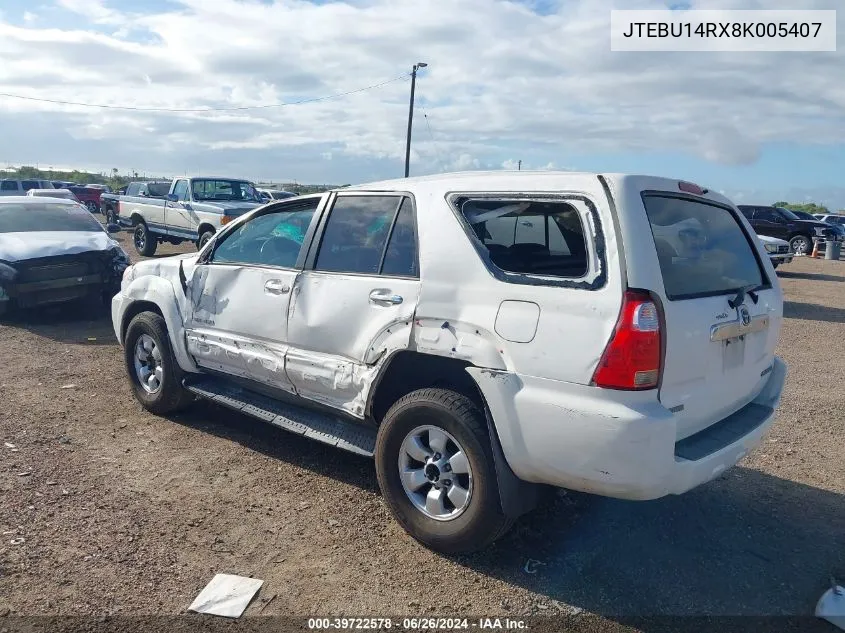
column 544, row 86
column 29, row 17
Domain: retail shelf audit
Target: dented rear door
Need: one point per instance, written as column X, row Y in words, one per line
column 354, row 304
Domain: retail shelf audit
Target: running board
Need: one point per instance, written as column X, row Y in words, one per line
column 326, row 428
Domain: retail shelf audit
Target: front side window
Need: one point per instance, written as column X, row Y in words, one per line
column 536, row 237
column 180, row 190
column 270, row 239
column 767, row 215
column 701, row 247
column 30, row 184
column 356, row 234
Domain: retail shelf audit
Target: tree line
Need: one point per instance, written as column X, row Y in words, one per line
column 809, row 207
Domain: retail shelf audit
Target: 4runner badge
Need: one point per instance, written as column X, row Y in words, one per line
column 744, row 316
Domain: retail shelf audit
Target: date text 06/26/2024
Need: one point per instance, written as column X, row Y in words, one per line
column 417, row 624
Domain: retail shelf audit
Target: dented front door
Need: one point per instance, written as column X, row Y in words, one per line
column 238, row 321
column 239, row 299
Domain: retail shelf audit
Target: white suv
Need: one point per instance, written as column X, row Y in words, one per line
column 480, row 335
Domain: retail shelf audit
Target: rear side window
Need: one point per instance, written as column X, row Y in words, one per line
column 531, row 237
column 702, row 248
column 400, row 259
column 9, row 185
column 30, row 184
column 133, row 189
column 356, row 234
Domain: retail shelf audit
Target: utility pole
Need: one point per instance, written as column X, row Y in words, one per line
column 416, row 67
column 519, row 166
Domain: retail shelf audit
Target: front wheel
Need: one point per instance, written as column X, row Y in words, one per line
column 144, row 243
column 153, row 371
column 204, row 239
column 435, row 469
column 92, row 206
column 801, row 245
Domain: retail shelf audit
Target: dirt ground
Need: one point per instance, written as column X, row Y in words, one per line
column 107, row 509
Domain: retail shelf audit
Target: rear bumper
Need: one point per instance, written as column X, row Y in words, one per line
column 617, row 444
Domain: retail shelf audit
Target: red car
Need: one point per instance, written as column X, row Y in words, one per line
column 88, row 196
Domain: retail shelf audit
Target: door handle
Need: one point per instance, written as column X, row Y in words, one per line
column 385, row 297
column 276, row 287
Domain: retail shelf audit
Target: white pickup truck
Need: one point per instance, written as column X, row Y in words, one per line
column 194, row 209
column 478, row 334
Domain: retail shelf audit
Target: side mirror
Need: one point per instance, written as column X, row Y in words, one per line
column 172, row 197
column 111, row 227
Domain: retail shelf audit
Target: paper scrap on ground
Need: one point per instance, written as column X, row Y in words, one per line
column 227, row 595
column 831, row 606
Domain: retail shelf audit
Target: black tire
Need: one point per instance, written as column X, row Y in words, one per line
column 144, row 243
column 203, row 240
column 92, row 206
column 775, row 264
column 482, row 521
column 803, row 242
column 171, row 396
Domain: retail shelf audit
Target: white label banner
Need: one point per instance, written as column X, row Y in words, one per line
column 723, row 31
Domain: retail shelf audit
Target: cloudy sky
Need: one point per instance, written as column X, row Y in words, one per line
column 530, row 80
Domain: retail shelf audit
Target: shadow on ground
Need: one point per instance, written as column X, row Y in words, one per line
column 71, row 323
column 813, row 312
column 811, row 276
column 746, row 544
column 276, row 443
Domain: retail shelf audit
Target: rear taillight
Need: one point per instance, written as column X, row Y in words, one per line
column 632, row 358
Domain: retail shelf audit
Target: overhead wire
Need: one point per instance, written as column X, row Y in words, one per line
column 201, row 110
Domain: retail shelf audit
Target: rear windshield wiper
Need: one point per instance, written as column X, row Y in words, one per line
column 740, row 296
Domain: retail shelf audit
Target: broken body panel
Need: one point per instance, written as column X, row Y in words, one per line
column 532, row 343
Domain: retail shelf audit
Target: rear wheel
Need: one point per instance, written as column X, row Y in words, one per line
column 91, row 206
column 144, row 243
column 435, row 470
column 153, row 371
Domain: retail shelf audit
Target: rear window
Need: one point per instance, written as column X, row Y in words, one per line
column 42, row 216
column 702, row 248
column 535, row 237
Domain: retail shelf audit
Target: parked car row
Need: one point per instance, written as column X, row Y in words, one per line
column 799, row 231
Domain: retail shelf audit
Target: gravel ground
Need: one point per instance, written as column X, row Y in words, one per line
column 107, row 509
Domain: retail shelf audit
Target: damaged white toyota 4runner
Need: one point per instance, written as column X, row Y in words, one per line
column 480, row 335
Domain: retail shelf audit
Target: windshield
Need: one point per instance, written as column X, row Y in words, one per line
column 803, row 215
column 42, row 216
column 240, row 190
column 701, row 248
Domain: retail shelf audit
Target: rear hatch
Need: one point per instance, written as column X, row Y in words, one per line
column 722, row 308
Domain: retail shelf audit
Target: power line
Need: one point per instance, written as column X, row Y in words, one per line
column 232, row 109
column 433, row 142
